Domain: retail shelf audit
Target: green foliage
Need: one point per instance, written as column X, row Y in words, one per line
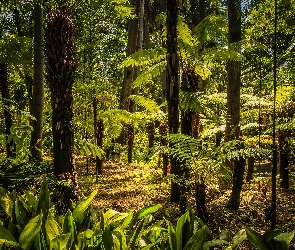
column 28, row 226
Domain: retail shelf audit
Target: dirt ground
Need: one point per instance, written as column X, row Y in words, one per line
column 129, row 186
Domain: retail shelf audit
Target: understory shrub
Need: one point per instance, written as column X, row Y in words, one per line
column 31, row 222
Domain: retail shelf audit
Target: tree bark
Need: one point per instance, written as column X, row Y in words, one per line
column 10, row 146
column 284, row 150
column 172, row 90
column 99, row 128
column 38, row 84
column 232, row 130
column 131, row 49
column 60, row 71
column 251, row 161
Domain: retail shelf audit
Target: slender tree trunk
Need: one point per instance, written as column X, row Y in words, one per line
column 38, row 84
column 10, row 147
column 60, row 70
column 98, row 135
column 284, row 151
column 151, row 133
column 172, row 90
column 232, row 130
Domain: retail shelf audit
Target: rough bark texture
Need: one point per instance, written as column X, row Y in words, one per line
column 60, row 70
column 200, row 196
column 10, row 147
column 38, row 85
column 172, row 90
column 164, row 142
column 284, row 150
column 251, row 161
column 131, row 48
column 151, row 133
column 99, row 128
column 232, row 130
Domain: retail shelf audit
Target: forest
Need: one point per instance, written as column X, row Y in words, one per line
column 147, row 124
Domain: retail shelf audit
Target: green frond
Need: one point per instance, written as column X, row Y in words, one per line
column 149, row 104
column 185, row 33
column 145, row 57
column 149, row 74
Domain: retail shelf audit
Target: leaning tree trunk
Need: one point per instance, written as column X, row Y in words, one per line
column 60, row 70
column 172, row 88
column 38, row 84
column 7, row 115
column 232, row 131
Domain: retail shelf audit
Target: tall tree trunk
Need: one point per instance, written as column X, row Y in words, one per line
column 38, row 84
column 172, row 89
column 232, row 130
column 60, row 70
column 10, row 147
column 284, row 151
column 131, row 48
column 251, row 161
column 98, row 135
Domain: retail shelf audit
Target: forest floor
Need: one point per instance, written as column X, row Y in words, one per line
column 129, row 186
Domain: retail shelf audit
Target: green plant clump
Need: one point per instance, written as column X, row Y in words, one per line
column 32, row 223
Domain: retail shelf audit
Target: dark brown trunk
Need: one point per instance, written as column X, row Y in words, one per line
column 99, row 128
column 172, row 90
column 251, row 161
column 10, row 147
column 130, row 141
column 200, row 196
column 151, row 133
column 164, row 142
column 232, row 130
column 238, row 176
column 60, row 70
column 284, row 150
column 98, row 135
column 38, row 85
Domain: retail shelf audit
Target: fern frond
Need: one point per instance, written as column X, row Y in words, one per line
column 149, row 104
column 149, row 74
column 145, row 57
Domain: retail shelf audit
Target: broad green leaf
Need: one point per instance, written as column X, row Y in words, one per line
column 256, row 239
column 128, row 219
column 6, row 201
column 5, row 235
column 283, row 240
column 197, row 241
column 120, row 235
column 43, row 202
column 270, row 234
column 32, row 200
column 179, row 230
column 78, row 213
column 52, row 228
column 30, row 232
column 144, row 212
column 135, row 237
column 213, row 243
column 172, row 235
column 20, row 214
column 61, row 241
column 239, row 237
column 107, row 238
column 69, row 227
